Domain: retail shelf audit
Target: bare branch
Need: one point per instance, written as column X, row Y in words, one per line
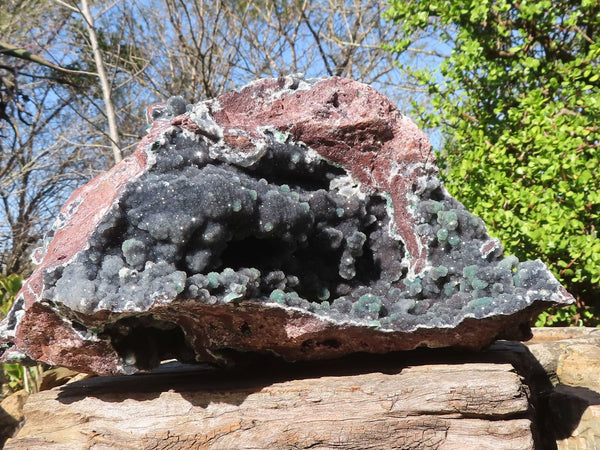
column 11, row 50
column 104, row 83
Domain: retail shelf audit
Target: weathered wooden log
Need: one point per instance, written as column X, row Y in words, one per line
column 447, row 406
column 542, row 395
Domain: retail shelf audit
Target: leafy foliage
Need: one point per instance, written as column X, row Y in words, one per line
column 571, row 315
column 16, row 376
column 518, row 102
column 9, row 287
column 20, row 377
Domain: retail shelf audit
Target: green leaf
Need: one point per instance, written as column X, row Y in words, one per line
column 519, row 113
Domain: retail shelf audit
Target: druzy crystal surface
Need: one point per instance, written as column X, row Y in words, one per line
column 301, row 218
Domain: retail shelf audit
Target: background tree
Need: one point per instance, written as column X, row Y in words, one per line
column 58, row 120
column 517, row 99
column 203, row 48
column 37, row 165
column 105, row 86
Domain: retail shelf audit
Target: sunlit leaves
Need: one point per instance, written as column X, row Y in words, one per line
column 519, row 106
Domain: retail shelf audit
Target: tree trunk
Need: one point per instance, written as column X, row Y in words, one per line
column 113, row 133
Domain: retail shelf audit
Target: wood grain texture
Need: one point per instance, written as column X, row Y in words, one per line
column 442, row 406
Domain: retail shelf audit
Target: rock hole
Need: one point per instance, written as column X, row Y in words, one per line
column 245, row 329
column 114, row 232
column 334, row 100
column 332, row 343
column 367, row 269
column 278, row 168
column 144, row 342
column 308, row 345
column 79, row 327
column 262, row 254
column 311, row 344
column 437, row 194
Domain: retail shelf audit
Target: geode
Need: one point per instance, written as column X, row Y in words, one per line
column 296, row 217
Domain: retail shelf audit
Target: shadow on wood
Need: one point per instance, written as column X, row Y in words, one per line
column 502, row 398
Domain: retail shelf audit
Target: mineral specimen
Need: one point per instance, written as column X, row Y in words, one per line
column 296, row 217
